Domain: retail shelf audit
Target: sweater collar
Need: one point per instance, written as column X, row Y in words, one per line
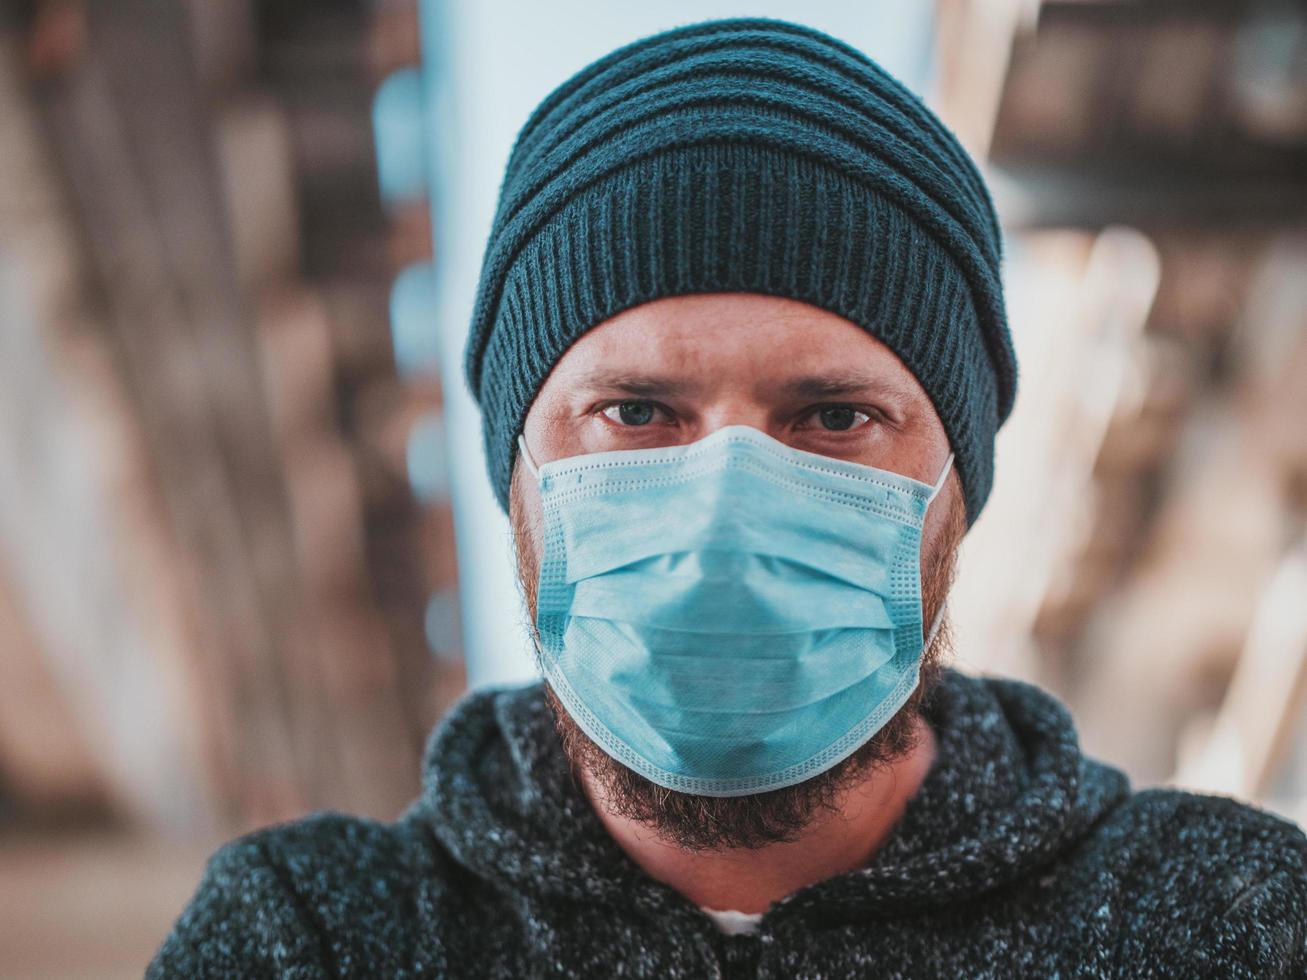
column 1008, row 792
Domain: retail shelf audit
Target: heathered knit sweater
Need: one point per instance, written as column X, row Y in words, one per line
column 1019, row 857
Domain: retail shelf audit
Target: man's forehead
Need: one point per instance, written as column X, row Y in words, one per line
column 687, row 344
column 840, row 381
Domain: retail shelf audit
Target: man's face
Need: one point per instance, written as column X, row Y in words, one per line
column 674, row 370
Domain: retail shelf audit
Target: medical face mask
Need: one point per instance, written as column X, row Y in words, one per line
column 730, row 616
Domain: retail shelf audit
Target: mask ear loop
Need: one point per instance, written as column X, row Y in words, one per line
column 939, row 484
column 934, row 627
column 526, row 457
column 939, row 615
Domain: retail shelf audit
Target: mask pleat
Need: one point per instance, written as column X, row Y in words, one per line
column 724, row 593
column 727, row 674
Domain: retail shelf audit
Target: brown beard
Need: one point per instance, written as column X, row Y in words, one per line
column 710, row 823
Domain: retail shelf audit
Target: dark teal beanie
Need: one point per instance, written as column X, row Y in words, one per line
column 745, row 155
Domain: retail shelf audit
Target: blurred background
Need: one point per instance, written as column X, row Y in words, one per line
column 248, row 552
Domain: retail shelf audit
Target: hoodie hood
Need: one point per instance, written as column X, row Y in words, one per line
column 1009, row 791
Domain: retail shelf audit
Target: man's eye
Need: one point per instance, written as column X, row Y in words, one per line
column 839, row 418
column 631, row 412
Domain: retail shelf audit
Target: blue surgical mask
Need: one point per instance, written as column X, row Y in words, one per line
column 733, row 615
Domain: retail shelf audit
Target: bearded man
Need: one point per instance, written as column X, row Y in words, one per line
column 741, row 352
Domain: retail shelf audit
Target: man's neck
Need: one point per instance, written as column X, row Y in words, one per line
column 748, row 880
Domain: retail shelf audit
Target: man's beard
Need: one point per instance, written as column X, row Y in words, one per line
column 711, row 823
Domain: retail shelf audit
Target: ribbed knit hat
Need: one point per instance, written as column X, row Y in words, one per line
column 745, row 155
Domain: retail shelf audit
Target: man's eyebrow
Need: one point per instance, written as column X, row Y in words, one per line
column 844, row 386
column 636, row 385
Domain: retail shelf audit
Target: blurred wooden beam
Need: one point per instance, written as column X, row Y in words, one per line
column 1161, row 647
column 1030, row 196
column 133, row 134
column 973, row 45
column 1267, row 696
column 1075, row 374
column 95, row 681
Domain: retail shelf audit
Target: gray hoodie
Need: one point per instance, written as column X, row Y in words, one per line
column 1019, row 857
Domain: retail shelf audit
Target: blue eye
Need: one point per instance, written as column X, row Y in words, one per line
column 631, row 412
column 840, row 418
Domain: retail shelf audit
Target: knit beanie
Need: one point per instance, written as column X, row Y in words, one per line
column 745, row 155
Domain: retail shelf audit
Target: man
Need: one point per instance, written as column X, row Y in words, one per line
column 741, row 352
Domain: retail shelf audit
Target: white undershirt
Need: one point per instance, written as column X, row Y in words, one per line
column 734, row 923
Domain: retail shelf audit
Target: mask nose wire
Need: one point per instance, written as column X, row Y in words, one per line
column 939, row 484
column 526, row 457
